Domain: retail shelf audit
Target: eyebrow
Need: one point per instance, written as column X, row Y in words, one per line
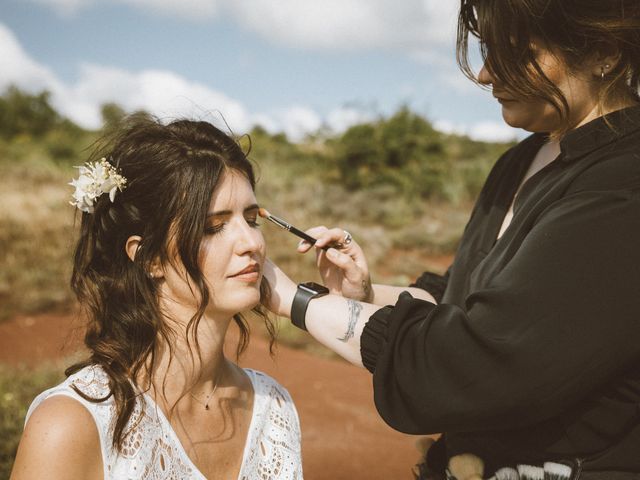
column 221, row 213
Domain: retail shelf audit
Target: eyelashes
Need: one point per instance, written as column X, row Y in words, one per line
column 214, row 229
column 219, row 228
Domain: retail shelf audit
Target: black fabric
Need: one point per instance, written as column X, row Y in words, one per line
column 533, row 353
column 433, row 283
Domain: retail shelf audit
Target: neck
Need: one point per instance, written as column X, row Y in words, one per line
column 611, row 107
column 180, row 369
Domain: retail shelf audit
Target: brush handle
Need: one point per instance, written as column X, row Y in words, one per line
column 299, row 233
column 304, row 236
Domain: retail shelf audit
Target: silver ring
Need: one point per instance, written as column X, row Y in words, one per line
column 348, row 238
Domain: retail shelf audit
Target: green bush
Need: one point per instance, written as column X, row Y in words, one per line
column 391, row 182
column 23, row 113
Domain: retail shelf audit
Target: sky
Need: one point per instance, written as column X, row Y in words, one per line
column 291, row 66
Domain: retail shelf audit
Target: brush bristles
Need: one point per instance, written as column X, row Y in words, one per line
column 556, row 471
column 507, row 474
column 527, row 472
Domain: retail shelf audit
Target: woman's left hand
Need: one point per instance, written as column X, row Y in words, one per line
column 283, row 289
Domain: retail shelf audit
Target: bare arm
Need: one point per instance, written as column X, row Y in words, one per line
column 60, row 441
column 335, row 321
column 388, row 294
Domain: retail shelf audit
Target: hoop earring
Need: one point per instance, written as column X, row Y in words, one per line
column 602, row 68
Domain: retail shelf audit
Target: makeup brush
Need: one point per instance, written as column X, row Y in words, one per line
column 287, row 226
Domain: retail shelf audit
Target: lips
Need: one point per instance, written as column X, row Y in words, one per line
column 251, row 270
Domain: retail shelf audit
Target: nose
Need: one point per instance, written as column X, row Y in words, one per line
column 250, row 239
column 484, row 76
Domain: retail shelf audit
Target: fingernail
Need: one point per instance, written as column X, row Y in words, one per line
column 302, row 242
column 332, row 252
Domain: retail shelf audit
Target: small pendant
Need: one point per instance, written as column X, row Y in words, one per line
column 206, row 407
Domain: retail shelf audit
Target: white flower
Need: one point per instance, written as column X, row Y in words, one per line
column 96, row 178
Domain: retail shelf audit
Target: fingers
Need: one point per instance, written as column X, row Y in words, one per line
column 315, row 232
column 325, row 238
column 329, row 237
column 352, row 272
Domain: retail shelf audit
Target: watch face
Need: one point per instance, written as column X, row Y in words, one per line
column 313, row 287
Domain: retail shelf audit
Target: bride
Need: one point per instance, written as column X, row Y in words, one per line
column 169, row 254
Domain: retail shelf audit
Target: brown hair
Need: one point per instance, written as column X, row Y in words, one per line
column 171, row 171
column 573, row 29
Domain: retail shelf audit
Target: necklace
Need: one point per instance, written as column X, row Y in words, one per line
column 206, row 402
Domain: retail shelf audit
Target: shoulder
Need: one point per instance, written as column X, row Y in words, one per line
column 264, row 384
column 60, row 440
column 616, row 169
column 272, row 397
column 276, row 413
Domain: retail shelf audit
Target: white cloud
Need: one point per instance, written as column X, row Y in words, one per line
column 189, row 9
column 18, row 68
column 482, row 131
column 295, row 121
column 165, row 94
column 162, row 93
column 340, row 119
column 169, row 95
column 409, row 25
column 65, row 8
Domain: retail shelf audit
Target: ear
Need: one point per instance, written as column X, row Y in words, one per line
column 134, row 243
column 132, row 246
column 604, row 61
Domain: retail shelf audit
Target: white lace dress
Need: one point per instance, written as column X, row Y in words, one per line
column 153, row 451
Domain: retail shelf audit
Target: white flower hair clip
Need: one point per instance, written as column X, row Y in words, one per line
column 95, row 179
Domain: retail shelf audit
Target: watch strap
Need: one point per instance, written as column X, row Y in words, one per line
column 301, row 300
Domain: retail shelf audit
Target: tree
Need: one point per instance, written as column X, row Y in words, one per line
column 112, row 114
column 23, row 113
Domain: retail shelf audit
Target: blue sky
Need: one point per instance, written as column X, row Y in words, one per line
column 288, row 65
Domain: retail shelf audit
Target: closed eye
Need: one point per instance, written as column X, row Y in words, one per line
column 214, row 229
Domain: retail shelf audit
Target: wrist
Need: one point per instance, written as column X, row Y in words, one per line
column 286, row 300
column 369, row 292
column 305, row 293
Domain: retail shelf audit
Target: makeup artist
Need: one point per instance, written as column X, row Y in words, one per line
column 526, row 353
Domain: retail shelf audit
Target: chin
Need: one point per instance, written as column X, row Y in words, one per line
column 243, row 302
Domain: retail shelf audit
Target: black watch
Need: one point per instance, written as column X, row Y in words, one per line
column 305, row 293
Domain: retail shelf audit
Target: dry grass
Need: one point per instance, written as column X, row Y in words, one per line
column 37, row 233
column 36, row 236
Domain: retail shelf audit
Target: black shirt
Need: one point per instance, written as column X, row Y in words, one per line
column 533, row 353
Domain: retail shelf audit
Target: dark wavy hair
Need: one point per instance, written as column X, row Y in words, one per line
column 574, row 29
column 171, row 171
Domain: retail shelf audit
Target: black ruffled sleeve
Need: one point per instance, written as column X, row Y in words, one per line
column 554, row 324
column 433, row 283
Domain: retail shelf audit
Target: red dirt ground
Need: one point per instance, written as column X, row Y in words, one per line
column 342, row 435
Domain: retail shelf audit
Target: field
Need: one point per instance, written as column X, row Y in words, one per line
column 402, row 189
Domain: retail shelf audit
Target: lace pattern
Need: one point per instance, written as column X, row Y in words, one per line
column 152, row 450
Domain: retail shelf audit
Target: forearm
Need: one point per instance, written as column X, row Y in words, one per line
column 337, row 323
column 388, row 294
